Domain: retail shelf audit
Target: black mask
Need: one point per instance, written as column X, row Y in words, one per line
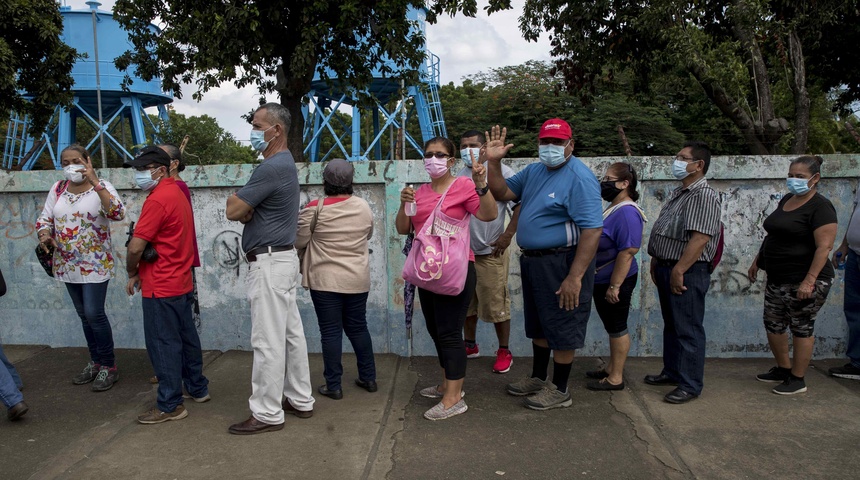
column 608, row 191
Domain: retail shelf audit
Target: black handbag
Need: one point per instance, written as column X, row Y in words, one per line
column 46, row 259
column 2, row 284
column 150, row 255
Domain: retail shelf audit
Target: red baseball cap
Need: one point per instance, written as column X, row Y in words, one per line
column 555, row 128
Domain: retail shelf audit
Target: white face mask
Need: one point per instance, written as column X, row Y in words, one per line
column 74, row 173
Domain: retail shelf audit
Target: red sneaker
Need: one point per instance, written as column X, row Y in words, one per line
column 472, row 352
column 504, row 360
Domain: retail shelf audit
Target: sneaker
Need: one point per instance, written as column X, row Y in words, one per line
column 504, row 360
column 203, row 399
column 439, row 412
column 549, row 397
column 157, row 416
column 774, row 375
column 526, row 386
column 433, row 392
column 105, row 379
column 846, row 371
column 790, row 386
column 88, row 374
column 472, row 352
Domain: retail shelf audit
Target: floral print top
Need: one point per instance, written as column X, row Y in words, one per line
column 81, row 229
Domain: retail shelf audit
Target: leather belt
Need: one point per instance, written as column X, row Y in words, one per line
column 671, row 263
column 545, row 251
column 251, row 256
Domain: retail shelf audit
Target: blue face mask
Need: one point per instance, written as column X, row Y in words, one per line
column 797, row 186
column 144, row 180
column 258, row 139
column 467, row 158
column 551, row 155
column 679, row 169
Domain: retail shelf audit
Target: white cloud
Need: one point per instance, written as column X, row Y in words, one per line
column 465, row 46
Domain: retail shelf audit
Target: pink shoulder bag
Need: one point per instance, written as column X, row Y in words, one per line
column 439, row 258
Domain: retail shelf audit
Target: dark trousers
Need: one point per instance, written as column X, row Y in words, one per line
column 684, row 330
column 174, row 349
column 445, row 315
column 338, row 313
column 89, row 302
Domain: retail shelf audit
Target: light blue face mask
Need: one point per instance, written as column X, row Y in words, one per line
column 679, row 169
column 144, row 180
column 551, row 155
column 258, row 139
column 467, row 159
column 797, row 186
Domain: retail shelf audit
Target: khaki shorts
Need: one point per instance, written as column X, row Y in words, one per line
column 491, row 302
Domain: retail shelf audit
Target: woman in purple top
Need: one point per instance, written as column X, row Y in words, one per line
column 617, row 271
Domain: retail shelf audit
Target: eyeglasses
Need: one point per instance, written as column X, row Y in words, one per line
column 686, row 159
column 436, row 154
column 609, row 179
column 148, row 167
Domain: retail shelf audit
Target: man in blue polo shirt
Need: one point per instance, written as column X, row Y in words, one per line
column 559, row 229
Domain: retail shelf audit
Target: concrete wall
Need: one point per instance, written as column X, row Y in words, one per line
column 37, row 309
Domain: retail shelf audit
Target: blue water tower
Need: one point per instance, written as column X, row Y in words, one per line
column 420, row 100
column 121, row 117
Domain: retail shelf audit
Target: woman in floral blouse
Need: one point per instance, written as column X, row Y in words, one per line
column 75, row 223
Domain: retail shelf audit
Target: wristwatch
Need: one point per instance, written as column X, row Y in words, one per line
column 98, row 187
column 483, row 191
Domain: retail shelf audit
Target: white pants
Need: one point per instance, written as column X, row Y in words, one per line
column 278, row 338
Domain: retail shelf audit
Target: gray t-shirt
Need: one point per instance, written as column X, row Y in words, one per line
column 485, row 233
column 853, row 234
column 273, row 192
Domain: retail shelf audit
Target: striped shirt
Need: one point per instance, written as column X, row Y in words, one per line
column 694, row 208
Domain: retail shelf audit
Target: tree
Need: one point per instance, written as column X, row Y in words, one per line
column 35, row 65
column 208, row 143
column 249, row 42
column 737, row 52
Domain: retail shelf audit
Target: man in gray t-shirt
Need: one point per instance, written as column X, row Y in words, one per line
column 848, row 254
column 489, row 240
column 268, row 206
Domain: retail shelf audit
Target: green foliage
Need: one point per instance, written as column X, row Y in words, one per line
column 251, row 42
column 33, row 60
column 208, row 143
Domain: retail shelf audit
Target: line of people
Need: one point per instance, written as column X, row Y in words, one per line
column 573, row 251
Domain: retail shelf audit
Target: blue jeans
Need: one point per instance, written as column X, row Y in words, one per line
column 684, row 330
column 338, row 313
column 10, row 382
column 174, row 349
column 89, row 301
column 851, row 306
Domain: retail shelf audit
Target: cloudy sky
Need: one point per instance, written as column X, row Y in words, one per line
column 464, row 45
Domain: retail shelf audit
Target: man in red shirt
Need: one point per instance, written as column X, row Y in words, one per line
column 165, row 283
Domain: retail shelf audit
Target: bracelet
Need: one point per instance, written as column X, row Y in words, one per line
column 613, row 287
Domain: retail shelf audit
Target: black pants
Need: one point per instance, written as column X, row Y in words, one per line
column 444, row 315
column 614, row 315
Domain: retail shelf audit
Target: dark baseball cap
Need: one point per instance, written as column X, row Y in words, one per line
column 148, row 156
column 338, row 172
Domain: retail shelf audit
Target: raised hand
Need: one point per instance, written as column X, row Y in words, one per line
column 89, row 172
column 495, row 149
column 479, row 174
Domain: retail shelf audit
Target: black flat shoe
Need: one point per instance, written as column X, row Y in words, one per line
column 597, row 374
column 660, row 380
column 603, row 385
column 678, row 396
column 333, row 394
column 369, row 385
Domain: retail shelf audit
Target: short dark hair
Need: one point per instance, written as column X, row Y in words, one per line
column 811, row 162
column 701, row 151
column 474, row 133
column 175, row 154
column 448, row 144
column 625, row 171
column 332, row 190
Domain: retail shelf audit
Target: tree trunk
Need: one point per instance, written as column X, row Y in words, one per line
column 801, row 95
column 295, row 137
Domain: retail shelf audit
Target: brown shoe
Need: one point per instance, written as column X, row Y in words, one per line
column 153, row 380
column 289, row 409
column 252, row 426
column 157, row 416
column 17, row 411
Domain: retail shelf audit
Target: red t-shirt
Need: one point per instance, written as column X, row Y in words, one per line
column 166, row 223
column 327, row 201
column 184, row 187
column 462, row 200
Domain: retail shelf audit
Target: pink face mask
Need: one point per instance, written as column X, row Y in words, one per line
column 436, row 167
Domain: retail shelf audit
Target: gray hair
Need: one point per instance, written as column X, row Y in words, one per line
column 277, row 114
column 174, row 153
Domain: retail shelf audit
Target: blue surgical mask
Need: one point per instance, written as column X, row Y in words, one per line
column 797, row 186
column 467, row 159
column 551, row 155
column 258, row 139
column 144, row 180
column 679, row 169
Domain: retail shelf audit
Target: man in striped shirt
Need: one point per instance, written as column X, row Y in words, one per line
column 682, row 244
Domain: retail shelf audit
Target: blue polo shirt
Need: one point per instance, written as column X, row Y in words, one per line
column 556, row 204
